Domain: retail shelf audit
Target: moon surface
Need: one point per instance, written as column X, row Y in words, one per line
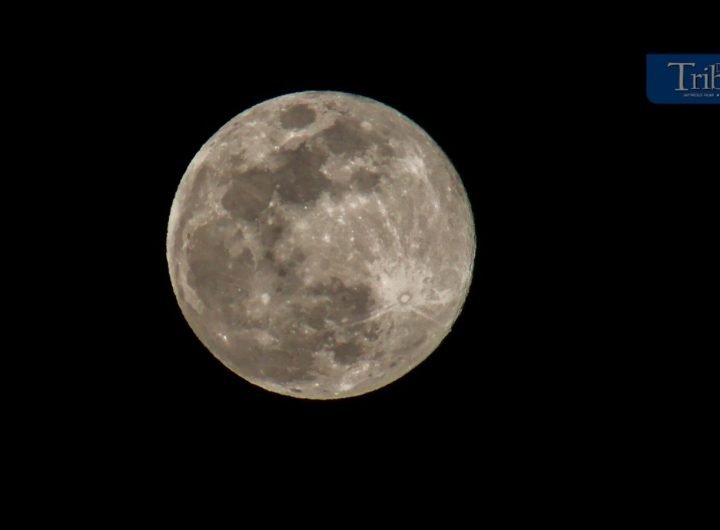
column 320, row 245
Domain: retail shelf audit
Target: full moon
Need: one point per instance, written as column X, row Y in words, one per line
column 320, row 245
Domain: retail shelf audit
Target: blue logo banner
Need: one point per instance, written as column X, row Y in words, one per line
column 683, row 78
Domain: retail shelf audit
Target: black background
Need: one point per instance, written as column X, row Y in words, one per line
column 578, row 351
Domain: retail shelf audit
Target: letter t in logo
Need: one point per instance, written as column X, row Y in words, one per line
column 681, row 75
